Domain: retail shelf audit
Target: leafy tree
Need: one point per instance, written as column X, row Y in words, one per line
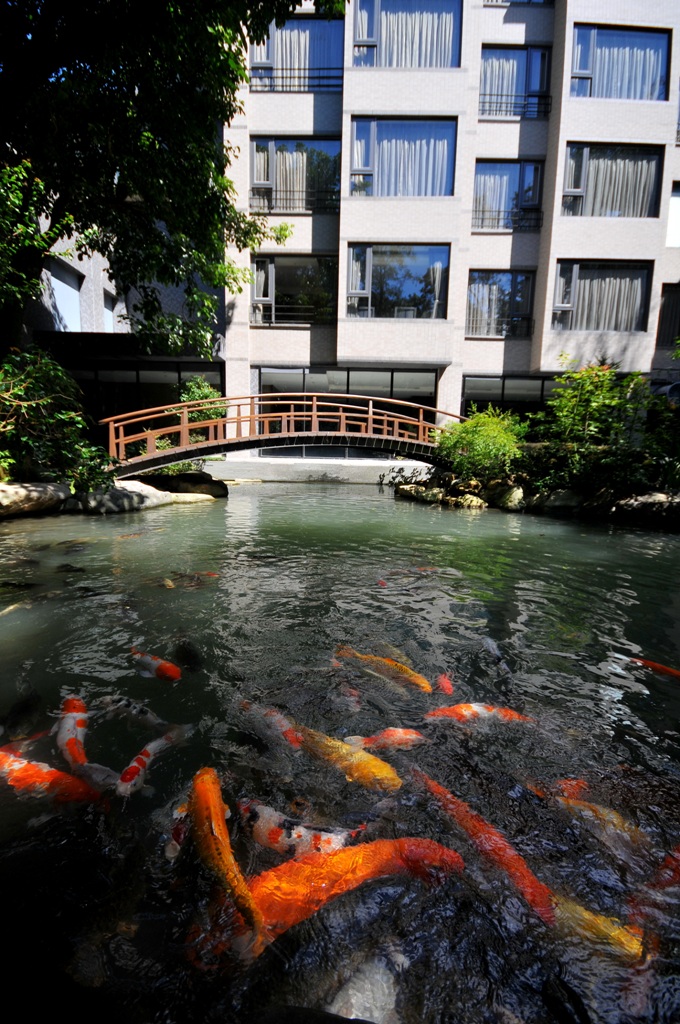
column 43, row 433
column 113, row 116
column 483, row 447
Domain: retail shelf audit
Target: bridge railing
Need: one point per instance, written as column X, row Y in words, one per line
column 137, row 435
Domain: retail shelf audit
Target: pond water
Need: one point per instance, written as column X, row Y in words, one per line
column 109, row 910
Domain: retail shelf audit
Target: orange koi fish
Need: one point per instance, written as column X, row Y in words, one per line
column 604, row 821
column 493, row 845
column 445, row 683
column 386, row 667
column 389, row 739
column 150, row 665
column 35, row 779
column 653, row 665
column 464, row 712
column 358, row 765
column 286, row 835
column 133, row 777
column 208, row 813
column 574, row 788
column 297, row 889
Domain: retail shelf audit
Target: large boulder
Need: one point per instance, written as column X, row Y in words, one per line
column 194, row 481
column 31, row 499
column 130, row 496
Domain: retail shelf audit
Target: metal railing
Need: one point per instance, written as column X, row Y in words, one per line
column 276, row 200
column 498, row 105
column 508, row 220
column 266, row 313
column 171, row 433
column 499, row 327
column 310, row 80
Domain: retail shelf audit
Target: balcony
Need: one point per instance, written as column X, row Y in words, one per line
column 495, row 105
column 499, row 327
column 267, row 79
column 270, row 200
column 264, row 314
column 507, row 220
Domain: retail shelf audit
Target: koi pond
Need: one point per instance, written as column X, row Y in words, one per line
column 363, row 851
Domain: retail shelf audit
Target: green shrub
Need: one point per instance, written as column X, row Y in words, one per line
column 484, row 447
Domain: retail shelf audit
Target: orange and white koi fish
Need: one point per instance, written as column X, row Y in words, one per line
column 653, row 665
column 208, row 813
column 133, row 777
column 388, row 668
column 276, row 721
column 151, row 665
column 71, row 731
column 297, row 889
column 36, row 779
column 492, row 844
column 465, row 712
column 356, row 764
column 445, row 683
column 389, row 739
column 276, row 831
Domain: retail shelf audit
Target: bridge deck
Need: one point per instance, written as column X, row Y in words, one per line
column 150, row 438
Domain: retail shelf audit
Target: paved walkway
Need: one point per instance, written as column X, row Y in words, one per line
column 292, row 470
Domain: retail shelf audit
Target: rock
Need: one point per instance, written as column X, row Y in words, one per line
column 32, row 499
column 469, row 501
column 503, row 495
column 656, row 510
column 191, row 482
column 130, row 496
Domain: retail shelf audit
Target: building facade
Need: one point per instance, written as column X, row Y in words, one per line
column 477, row 189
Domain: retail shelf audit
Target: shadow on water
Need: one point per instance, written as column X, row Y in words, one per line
column 108, row 909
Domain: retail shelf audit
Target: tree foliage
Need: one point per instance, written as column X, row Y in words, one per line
column 114, row 113
column 483, row 447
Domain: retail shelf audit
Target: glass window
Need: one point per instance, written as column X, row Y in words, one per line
column 294, row 289
column 407, row 282
column 304, row 55
column 66, row 287
column 499, row 304
column 295, row 174
column 402, row 157
column 669, row 317
column 611, row 181
column 507, row 195
column 620, row 63
column 673, row 228
column 407, row 33
column 514, row 81
column 601, row 296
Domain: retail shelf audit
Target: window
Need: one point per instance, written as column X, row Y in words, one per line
column 673, row 228
column 499, row 304
column 406, row 282
column 507, row 195
column 402, row 157
column 295, row 174
column 304, row 55
column 669, row 317
column 407, row 33
column 515, row 81
column 295, row 289
column 620, row 63
column 601, row 296
column 611, row 181
column 66, row 288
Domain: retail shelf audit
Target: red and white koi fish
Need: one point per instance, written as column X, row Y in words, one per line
column 287, row 835
column 150, row 665
column 388, row 668
column 36, row 779
column 276, row 721
column 133, row 777
column 130, row 709
column 445, row 683
column 465, row 712
column 71, row 730
column 389, row 739
column 653, row 665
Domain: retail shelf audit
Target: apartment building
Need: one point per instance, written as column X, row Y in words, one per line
column 475, row 188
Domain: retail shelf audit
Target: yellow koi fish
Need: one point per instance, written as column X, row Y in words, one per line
column 388, row 668
column 573, row 919
column 357, row 764
column 208, row 813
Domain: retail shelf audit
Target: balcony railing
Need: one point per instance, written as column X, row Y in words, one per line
column 507, row 220
column 505, row 3
column 309, row 80
column 265, row 313
column 276, row 200
column 499, row 327
column 496, row 105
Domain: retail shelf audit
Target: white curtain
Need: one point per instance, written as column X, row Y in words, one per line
column 290, row 179
column 629, row 66
column 609, row 298
column 357, row 266
column 494, row 195
column 502, row 82
column 484, row 308
column 412, row 160
column 622, row 185
column 436, row 278
column 417, row 34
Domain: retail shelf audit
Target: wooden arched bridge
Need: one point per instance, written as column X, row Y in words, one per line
column 151, row 438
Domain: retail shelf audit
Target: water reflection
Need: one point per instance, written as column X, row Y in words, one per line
column 252, row 599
